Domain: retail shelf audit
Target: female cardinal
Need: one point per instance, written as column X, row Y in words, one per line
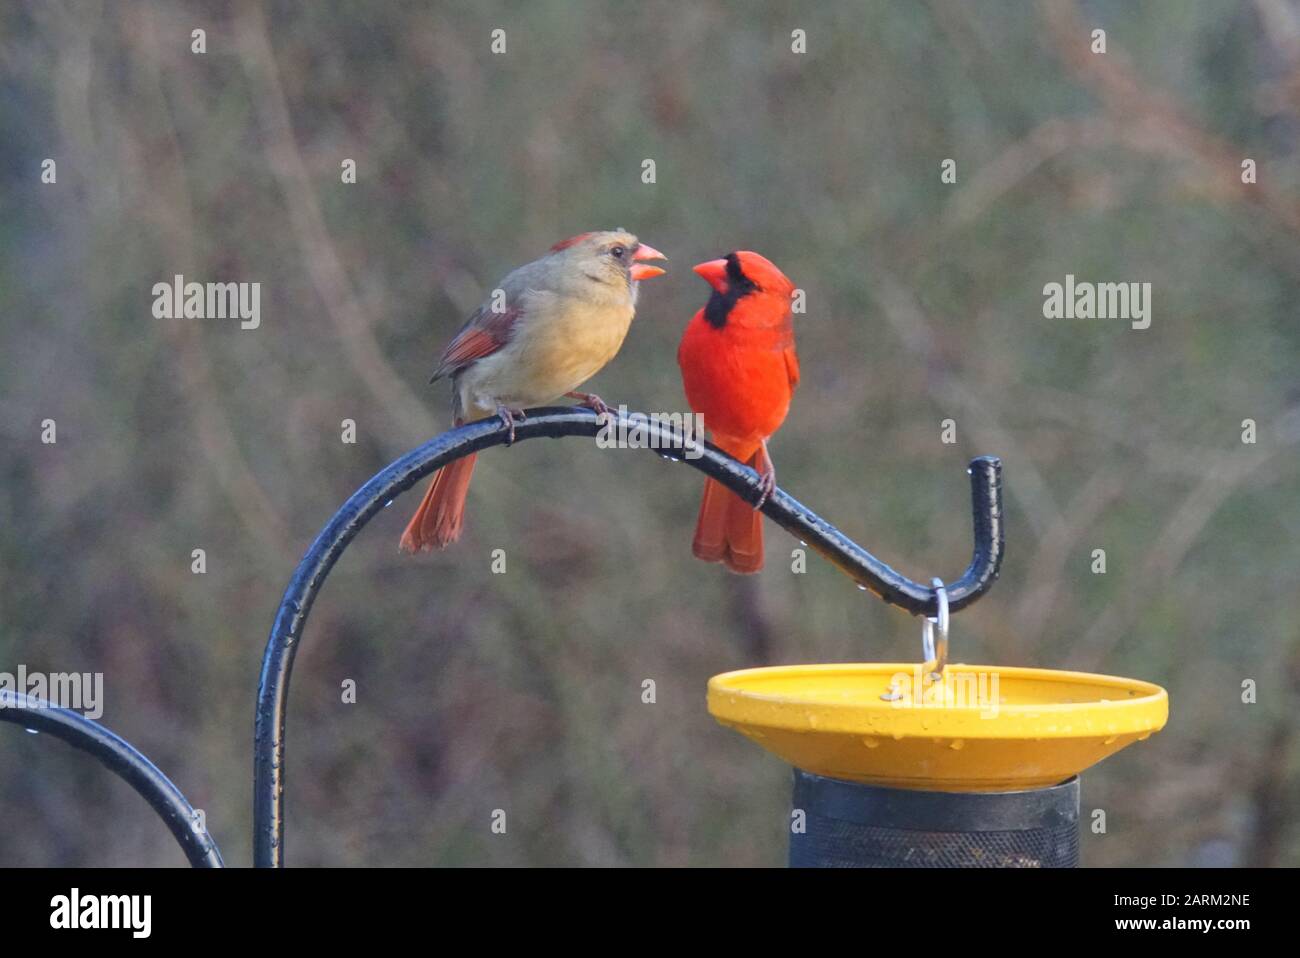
column 740, row 369
column 546, row 329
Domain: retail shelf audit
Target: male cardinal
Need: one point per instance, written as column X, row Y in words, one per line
column 547, row 328
column 740, row 369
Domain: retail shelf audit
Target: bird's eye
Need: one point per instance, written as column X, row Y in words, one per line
column 617, row 252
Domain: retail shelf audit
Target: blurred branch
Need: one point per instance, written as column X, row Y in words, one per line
column 410, row 415
column 1040, row 596
column 1017, row 162
column 248, row 501
column 1141, row 434
column 1282, row 28
column 1179, row 534
column 1150, row 121
column 903, row 311
column 1273, row 793
column 753, row 630
column 1269, row 798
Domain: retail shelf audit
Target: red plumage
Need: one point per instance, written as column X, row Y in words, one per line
column 438, row 521
column 571, row 241
column 485, row 333
column 739, row 369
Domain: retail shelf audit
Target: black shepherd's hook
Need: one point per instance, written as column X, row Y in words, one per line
column 119, row 757
column 554, row 422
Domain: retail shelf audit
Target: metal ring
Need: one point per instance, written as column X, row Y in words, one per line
column 936, row 652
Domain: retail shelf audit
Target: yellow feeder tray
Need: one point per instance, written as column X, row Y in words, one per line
column 980, row 729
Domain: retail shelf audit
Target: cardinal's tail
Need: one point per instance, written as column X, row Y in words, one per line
column 436, row 524
column 729, row 529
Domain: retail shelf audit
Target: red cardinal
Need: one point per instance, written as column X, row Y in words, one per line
column 740, row 369
column 546, row 329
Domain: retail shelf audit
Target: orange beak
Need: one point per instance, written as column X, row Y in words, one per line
column 641, row 271
column 714, row 273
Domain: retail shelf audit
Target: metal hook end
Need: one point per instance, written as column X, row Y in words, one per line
column 936, row 653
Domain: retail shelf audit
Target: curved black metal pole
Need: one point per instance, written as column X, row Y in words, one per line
column 554, row 422
column 119, row 757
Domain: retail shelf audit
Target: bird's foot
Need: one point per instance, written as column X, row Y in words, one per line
column 592, row 402
column 509, row 417
column 767, row 486
column 766, row 476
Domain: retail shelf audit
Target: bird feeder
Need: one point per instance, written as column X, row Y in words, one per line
column 933, row 764
column 928, row 764
column 895, row 764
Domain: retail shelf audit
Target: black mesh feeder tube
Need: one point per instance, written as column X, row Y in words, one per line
column 839, row 824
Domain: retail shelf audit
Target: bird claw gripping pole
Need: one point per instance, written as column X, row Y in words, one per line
column 553, row 422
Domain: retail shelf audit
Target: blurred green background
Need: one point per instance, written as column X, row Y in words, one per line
column 523, row 691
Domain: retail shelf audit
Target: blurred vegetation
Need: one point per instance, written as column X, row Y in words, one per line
column 522, row 691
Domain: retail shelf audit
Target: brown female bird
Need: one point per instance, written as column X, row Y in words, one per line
column 546, row 329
